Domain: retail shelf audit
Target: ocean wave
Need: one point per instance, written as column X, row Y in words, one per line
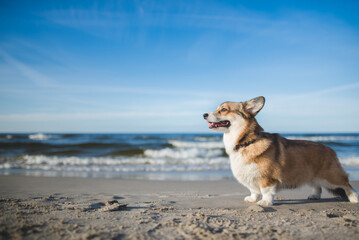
column 47, row 163
column 148, row 137
column 350, row 161
column 121, row 165
column 39, row 136
column 69, row 135
column 132, row 168
column 12, row 137
column 182, row 153
column 126, row 152
column 183, row 144
column 210, row 138
column 120, row 153
column 131, row 163
column 84, row 161
column 49, row 147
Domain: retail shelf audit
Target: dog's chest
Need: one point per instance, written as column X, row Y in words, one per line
column 245, row 173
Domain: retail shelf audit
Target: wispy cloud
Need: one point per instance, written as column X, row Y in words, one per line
column 83, row 18
column 334, row 89
column 35, row 76
column 318, row 104
column 154, row 15
column 218, row 17
column 42, row 80
column 320, row 92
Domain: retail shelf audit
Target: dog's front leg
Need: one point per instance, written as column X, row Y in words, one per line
column 253, row 197
column 267, row 195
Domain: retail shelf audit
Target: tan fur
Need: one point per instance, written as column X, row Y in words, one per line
column 289, row 163
column 281, row 162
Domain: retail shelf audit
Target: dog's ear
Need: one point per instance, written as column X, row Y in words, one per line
column 254, row 106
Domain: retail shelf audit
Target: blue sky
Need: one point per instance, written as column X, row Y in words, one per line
column 157, row 66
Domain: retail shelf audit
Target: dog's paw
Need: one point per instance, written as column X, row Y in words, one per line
column 265, row 203
column 313, row 197
column 353, row 197
column 250, row 199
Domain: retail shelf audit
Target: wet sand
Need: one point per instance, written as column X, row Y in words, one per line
column 76, row 208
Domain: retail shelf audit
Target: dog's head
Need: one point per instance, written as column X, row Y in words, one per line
column 232, row 114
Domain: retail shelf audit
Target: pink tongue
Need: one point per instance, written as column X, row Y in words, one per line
column 214, row 125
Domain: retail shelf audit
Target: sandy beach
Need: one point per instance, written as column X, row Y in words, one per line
column 82, row 208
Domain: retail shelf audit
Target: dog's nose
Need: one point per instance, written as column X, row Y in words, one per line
column 205, row 116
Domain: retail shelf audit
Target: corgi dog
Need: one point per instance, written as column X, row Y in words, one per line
column 265, row 162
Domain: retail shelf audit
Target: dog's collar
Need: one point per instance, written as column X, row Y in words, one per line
column 243, row 145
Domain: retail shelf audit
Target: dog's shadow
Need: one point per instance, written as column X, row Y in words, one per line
column 307, row 201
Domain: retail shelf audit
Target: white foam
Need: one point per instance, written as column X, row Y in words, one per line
column 207, row 138
column 39, row 136
column 350, row 161
column 119, row 164
column 87, row 161
column 183, row 153
column 8, row 165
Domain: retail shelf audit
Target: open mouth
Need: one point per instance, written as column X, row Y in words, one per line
column 219, row 124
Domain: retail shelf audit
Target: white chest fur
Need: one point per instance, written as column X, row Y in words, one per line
column 246, row 174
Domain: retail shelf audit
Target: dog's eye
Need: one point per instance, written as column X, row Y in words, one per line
column 224, row 110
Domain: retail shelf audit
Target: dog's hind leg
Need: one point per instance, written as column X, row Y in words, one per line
column 351, row 193
column 336, row 180
column 339, row 185
column 317, row 191
column 346, row 192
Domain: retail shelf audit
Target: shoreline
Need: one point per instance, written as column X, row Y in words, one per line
column 75, row 208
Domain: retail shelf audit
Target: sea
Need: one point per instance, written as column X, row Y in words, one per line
column 140, row 156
